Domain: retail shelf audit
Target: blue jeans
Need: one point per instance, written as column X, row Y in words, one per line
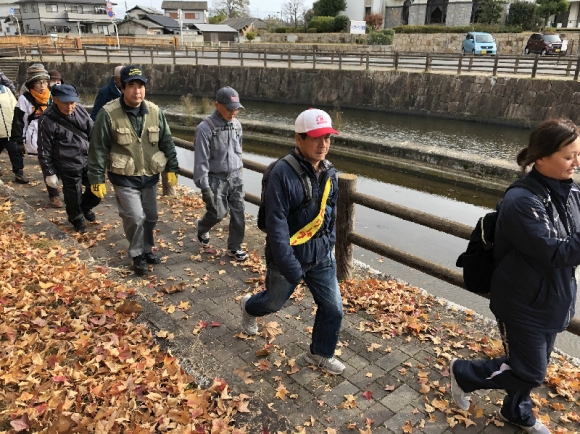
column 518, row 372
column 321, row 280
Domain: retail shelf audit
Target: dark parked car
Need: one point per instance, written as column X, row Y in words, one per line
column 545, row 44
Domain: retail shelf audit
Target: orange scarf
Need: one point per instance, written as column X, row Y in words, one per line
column 41, row 100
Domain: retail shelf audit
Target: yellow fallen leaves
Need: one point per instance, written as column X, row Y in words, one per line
column 349, row 402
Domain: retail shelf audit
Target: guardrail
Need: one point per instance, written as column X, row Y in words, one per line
column 529, row 65
column 347, row 237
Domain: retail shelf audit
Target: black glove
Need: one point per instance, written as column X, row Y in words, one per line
column 20, row 148
column 207, row 196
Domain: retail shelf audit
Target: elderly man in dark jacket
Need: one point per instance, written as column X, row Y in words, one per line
column 108, row 93
column 64, row 132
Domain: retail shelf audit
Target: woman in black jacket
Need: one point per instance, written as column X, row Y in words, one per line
column 533, row 289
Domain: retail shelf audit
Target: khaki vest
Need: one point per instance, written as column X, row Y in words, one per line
column 131, row 155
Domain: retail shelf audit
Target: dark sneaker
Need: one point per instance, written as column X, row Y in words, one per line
column 151, row 258
column 240, row 255
column 329, row 365
column 80, row 226
column 90, row 215
column 140, row 265
column 461, row 399
column 537, row 428
column 202, row 238
column 249, row 322
column 21, row 178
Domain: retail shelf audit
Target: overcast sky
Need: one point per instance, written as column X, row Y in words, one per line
column 258, row 8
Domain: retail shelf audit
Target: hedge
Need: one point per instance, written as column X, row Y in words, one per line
column 322, row 24
column 490, row 28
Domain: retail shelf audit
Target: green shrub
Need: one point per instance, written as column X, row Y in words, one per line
column 489, row 28
column 340, row 23
column 250, row 36
column 321, row 24
column 381, row 37
column 280, row 30
column 312, row 30
column 522, row 13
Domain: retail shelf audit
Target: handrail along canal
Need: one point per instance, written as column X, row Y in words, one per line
column 346, row 236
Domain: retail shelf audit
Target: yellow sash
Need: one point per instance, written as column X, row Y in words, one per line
column 311, row 228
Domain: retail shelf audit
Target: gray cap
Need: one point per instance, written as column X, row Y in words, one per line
column 228, row 97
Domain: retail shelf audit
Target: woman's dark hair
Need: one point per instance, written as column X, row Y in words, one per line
column 303, row 135
column 547, row 139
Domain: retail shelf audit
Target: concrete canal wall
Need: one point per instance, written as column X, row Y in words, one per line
column 458, row 168
column 506, row 100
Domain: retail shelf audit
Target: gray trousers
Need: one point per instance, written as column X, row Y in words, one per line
column 138, row 210
column 227, row 194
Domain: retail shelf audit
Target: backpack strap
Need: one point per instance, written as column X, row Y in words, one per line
column 304, row 178
column 53, row 116
column 214, row 128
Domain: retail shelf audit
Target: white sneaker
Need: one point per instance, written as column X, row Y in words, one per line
column 249, row 322
column 239, row 254
column 537, row 428
column 461, row 399
column 331, row 365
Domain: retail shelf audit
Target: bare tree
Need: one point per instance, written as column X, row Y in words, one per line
column 233, row 8
column 295, row 9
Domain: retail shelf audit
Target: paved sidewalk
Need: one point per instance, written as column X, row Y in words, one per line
column 395, row 381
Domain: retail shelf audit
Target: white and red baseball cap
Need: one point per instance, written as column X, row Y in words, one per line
column 314, row 122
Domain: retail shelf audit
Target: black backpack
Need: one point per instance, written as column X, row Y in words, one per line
column 477, row 261
column 293, row 162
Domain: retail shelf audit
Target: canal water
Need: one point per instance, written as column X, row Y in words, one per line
column 440, row 199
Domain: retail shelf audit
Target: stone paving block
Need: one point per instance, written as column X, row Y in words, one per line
column 401, row 416
column 392, row 361
column 338, row 418
column 412, row 348
column 363, row 378
column 460, row 428
column 336, row 396
column 399, row 398
column 506, row 429
column 353, row 360
column 377, row 387
column 378, row 413
column 437, row 427
column 305, row 375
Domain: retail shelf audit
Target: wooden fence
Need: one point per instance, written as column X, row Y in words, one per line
column 347, row 237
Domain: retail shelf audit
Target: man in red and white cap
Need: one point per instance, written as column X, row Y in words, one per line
column 300, row 200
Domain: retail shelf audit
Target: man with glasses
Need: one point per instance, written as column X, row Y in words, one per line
column 300, row 238
column 218, row 171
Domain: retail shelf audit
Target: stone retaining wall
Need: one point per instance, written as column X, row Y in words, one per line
column 508, row 43
column 507, row 100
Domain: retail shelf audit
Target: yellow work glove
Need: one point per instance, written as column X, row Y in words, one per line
column 172, row 179
column 99, row 190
